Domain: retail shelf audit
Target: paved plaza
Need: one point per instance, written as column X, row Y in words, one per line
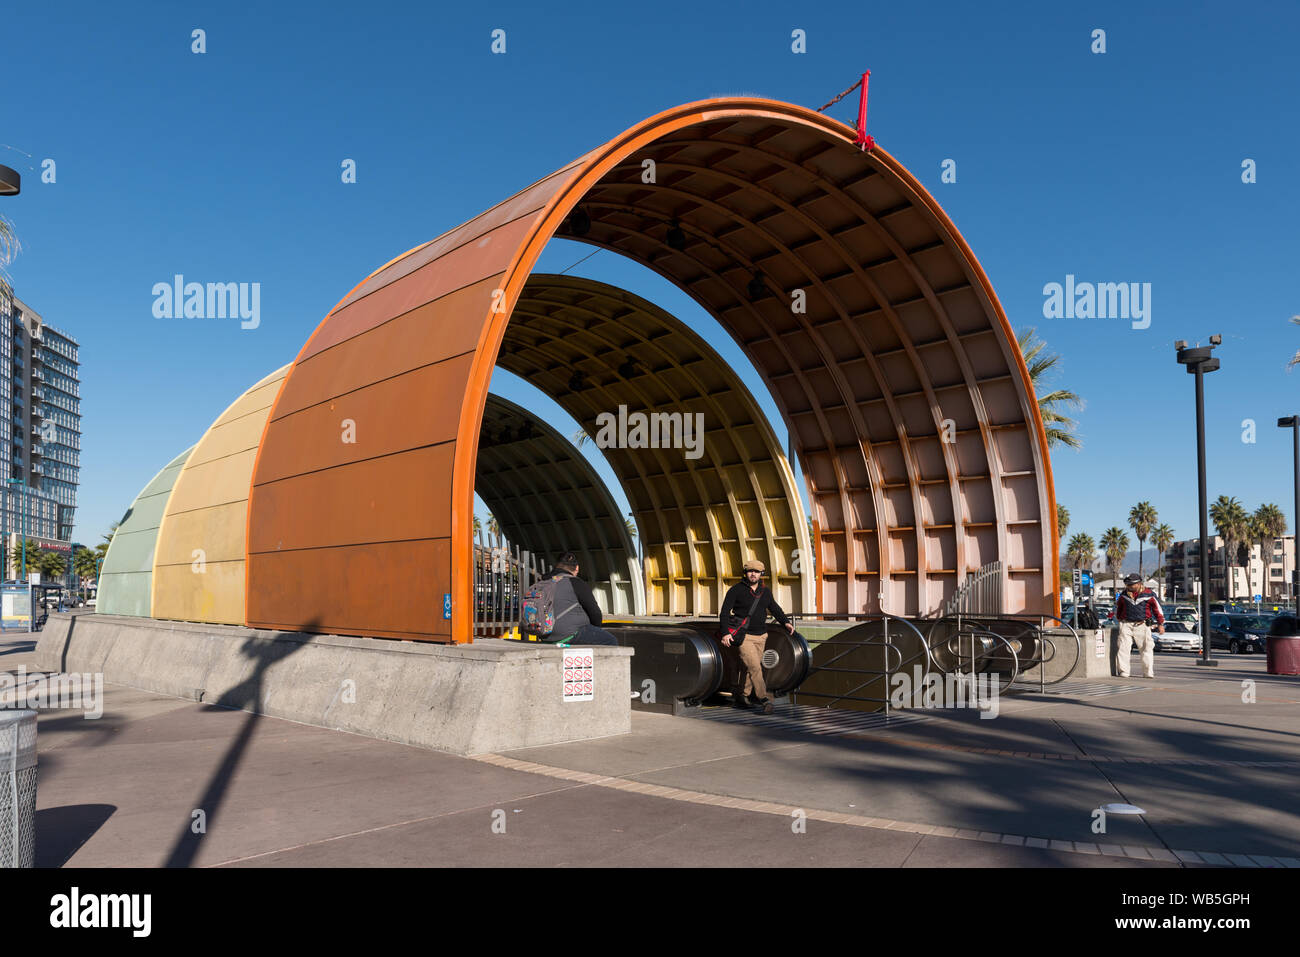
column 1214, row 773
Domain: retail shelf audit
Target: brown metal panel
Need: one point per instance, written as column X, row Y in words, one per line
column 433, row 332
column 408, row 411
column 385, row 590
column 376, row 500
column 461, row 267
column 530, row 200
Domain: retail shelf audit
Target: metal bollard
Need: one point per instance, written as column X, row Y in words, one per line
column 17, row 788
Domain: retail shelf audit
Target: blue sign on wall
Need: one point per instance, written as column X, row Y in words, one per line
column 446, row 605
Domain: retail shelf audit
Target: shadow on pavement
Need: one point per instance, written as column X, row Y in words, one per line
column 61, row 831
column 246, row 695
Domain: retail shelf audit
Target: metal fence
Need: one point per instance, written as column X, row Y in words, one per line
column 981, row 594
column 503, row 573
column 17, row 789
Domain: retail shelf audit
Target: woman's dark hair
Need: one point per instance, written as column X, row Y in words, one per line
column 566, row 560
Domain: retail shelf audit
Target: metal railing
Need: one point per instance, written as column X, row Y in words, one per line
column 503, row 573
column 882, row 639
column 1030, row 646
column 980, row 594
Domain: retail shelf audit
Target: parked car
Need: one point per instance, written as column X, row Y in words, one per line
column 1181, row 612
column 1178, row 636
column 1239, row 634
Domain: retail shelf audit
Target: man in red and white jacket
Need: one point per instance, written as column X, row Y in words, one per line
column 1135, row 608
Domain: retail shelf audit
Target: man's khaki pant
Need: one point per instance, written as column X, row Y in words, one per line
column 751, row 659
column 1130, row 633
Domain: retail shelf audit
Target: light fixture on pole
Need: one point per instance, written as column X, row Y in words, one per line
column 1199, row 361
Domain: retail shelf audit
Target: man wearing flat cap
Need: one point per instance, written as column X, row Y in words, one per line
column 744, row 623
column 1135, row 609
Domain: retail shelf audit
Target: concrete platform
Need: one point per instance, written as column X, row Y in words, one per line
column 467, row 699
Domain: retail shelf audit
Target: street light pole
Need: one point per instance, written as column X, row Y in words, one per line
column 1292, row 422
column 1198, row 361
column 22, row 525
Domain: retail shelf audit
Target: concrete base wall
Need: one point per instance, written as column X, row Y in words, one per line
column 490, row 696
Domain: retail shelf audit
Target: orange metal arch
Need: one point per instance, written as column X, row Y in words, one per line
column 406, row 359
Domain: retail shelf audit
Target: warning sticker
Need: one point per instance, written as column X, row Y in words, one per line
column 578, row 670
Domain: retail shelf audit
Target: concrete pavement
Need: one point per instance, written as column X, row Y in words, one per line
column 1213, row 772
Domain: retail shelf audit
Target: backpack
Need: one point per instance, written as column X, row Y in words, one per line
column 538, row 611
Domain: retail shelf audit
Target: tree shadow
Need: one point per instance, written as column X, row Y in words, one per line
column 245, row 696
column 1056, row 799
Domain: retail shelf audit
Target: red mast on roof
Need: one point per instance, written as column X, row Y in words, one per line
column 863, row 140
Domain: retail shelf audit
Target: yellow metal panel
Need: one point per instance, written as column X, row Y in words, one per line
column 218, row 482
column 199, row 560
column 214, row 595
column 218, row 531
column 257, row 400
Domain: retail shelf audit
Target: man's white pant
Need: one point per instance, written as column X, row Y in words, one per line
column 1130, row 633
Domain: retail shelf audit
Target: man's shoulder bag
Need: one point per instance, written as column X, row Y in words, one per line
column 737, row 634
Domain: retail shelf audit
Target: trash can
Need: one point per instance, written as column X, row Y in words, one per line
column 1283, row 646
column 17, row 788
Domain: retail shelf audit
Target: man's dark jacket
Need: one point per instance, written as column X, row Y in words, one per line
column 736, row 605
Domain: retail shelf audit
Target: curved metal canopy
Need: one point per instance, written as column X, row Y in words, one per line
column 846, row 285
column 725, row 494
column 549, row 499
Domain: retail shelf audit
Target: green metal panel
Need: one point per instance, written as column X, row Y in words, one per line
column 126, row 579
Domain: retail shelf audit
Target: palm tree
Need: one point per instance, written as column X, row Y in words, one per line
column 1114, row 542
column 1080, row 552
column 1059, row 426
column 1162, row 537
column 580, row 438
column 1295, row 359
column 1062, row 520
column 494, row 528
column 1142, row 518
column 101, row 550
column 85, row 565
column 1268, row 523
column 34, row 554
column 51, row 565
column 630, row 524
column 1230, row 521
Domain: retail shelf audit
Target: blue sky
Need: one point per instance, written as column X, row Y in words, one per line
column 1115, row 167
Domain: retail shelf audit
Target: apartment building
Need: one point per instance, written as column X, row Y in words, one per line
column 1268, row 574
column 40, row 431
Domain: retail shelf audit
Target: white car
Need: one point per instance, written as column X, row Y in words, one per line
column 1178, row 636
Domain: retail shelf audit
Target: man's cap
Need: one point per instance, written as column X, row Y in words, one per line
column 1132, row 579
column 755, row 564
